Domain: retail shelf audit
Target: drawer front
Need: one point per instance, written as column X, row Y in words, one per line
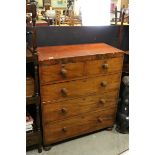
column 54, row 132
column 65, row 109
column 72, row 89
column 104, row 66
column 32, row 139
column 61, row 72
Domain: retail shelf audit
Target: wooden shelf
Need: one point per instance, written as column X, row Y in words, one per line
column 32, row 138
column 29, row 57
column 32, row 100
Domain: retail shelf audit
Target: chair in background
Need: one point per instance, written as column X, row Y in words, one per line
column 58, row 17
column 50, row 16
column 47, row 7
column 118, row 15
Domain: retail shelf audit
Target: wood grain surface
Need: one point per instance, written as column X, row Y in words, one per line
column 66, row 51
column 69, row 108
column 78, row 125
column 69, row 71
column 77, row 88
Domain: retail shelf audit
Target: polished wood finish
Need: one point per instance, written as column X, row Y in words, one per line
column 81, row 52
column 62, row 110
column 104, row 66
column 79, row 87
column 60, row 72
column 95, row 120
column 82, row 87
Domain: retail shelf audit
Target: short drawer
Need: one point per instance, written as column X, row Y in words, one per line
column 32, row 138
column 104, row 66
column 66, row 109
column 77, row 88
column 54, row 132
column 61, row 72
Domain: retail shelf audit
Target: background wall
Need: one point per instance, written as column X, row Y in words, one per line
column 50, row 36
column 40, row 3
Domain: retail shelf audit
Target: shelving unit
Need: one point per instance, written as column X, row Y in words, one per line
column 34, row 137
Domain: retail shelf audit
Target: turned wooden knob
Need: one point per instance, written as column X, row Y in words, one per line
column 105, row 66
column 64, row 129
column 100, row 120
column 102, row 101
column 103, row 83
column 64, row 91
column 63, row 72
column 64, row 110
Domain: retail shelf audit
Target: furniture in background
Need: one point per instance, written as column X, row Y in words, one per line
column 118, row 16
column 50, row 16
column 121, row 17
column 58, row 17
column 33, row 135
column 79, row 87
column 28, row 13
column 28, row 19
column 47, row 4
column 28, row 7
column 47, row 7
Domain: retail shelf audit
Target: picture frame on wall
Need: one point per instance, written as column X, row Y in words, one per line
column 59, row 4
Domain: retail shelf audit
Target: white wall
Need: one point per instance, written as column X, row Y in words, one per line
column 40, row 3
column 95, row 12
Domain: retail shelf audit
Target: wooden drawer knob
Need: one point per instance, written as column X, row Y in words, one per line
column 105, row 66
column 64, row 91
column 103, row 83
column 64, row 129
column 102, row 101
column 64, row 110
column 100, row 120
column 63, row 72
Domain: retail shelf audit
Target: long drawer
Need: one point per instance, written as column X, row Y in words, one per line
column 61, row 72
column 78, row 125
column 77, row 88
column 64, row 109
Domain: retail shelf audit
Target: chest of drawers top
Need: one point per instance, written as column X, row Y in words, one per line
column 73, row 53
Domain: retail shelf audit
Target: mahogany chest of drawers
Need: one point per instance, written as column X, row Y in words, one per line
column 79, row 87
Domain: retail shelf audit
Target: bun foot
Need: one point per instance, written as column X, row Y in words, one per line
column 47, row 148
column 39, row 149
column 109, row 128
